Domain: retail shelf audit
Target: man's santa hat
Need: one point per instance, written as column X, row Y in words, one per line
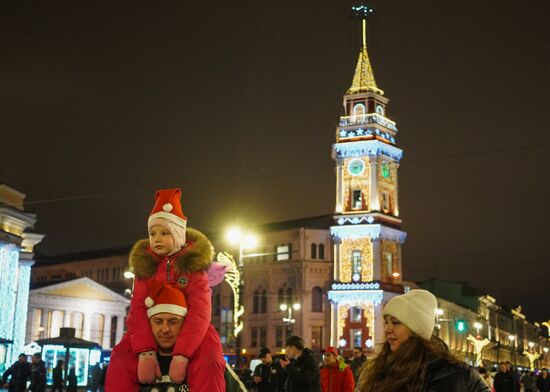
column 165, row 297
column 168, row 213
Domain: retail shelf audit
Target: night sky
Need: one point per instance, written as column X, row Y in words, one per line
column 101, row 103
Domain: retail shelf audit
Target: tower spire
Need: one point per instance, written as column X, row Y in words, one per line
column 363, row 80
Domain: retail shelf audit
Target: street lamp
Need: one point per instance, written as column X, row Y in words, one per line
column 512, row 343
column 289, row 321
column 235, row 236
column 477, row 326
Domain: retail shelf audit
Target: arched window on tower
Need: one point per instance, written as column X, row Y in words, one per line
column 321, row 251
column 380, row 109
column 317, row 299
column 359, row 109
column 388, row 266
column 313, row 251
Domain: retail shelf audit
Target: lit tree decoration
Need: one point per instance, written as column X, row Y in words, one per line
column 233, row 277
column 532, row 357
column 478, row 346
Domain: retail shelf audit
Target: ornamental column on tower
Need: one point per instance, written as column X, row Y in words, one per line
column 367, row 234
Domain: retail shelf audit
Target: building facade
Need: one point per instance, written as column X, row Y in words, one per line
column 96, row 313
column 17, row 243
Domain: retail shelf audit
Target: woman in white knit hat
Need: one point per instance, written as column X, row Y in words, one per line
column 412, row 359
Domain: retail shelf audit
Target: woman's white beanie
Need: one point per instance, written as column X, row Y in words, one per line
column 416, row 310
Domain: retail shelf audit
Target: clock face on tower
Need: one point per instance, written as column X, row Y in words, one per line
column 356, row 167
column 385, row 169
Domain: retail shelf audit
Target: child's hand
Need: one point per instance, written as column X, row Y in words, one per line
column 178, row 368
column 148, row 367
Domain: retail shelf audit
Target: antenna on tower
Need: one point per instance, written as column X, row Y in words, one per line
column 362, row 12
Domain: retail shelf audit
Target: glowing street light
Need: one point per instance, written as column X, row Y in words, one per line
column 478, row 326
column 289, row 321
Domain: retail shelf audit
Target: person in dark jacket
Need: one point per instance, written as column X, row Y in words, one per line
column 303, row 372
column 18, row 373
column 411, row 358
column 38, row 374
column 57, row 377
column 543, row 381
column 357, row 362
column 269, row 376
column 504, row 380
column 72, row 381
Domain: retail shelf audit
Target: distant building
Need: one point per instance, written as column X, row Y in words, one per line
column 96, row 313
column 17, row 242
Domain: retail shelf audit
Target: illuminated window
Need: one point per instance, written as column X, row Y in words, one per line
column 356, row 337
column 385, row 201
column 283, row 252
column 359, row 109
column 356, row 201
column 356, row 262
column 355, row 315
column 380, row 109
column 321, row 251
column 388, row 258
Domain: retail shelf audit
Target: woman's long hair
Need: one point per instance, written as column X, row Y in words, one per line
column 402, row 370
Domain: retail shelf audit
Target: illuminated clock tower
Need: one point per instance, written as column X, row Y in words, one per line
column 367, row 234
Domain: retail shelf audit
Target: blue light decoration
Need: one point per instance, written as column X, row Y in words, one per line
column 356, row 297
column 370, row 148
column 355, row 133
column 9, row 260
column 21, row 308
column 356, row 286
column 355, row 220
column 374, row 232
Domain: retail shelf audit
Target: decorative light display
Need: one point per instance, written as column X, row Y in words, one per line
column 478, row 347
column 9, row 262
column 233, row 278
column 357, row 183
column 372, row 118
column 532, row 357
column 21, row 307
column 369, row 343
column 356, row 286
column 369, row 148
column 355, row 220
column 373, row 232
column 344, row 134
column 343, row 314
column 356, row 297
column 346, row 248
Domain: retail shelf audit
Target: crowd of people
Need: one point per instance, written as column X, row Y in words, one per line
column 23, row 376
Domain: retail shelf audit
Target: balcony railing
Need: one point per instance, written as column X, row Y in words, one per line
column 368, row 119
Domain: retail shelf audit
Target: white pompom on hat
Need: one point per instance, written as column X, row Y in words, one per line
column 416, row 310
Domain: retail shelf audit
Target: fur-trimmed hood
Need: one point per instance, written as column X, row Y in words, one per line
column 196, row 256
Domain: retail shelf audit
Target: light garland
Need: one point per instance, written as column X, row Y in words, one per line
column 356, row 183
column 21, row 307
column 356, row 297
column 368, row 119
column 344, row 134
column 347, row 246
column 9, row 260
column 356, row 286
column 370, row 148
column 374, row 232
column 233, row 279
column 355, row 220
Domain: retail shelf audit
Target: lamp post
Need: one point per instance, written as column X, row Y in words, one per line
column 512, row 339
column 236, row 236
column 289, row 321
